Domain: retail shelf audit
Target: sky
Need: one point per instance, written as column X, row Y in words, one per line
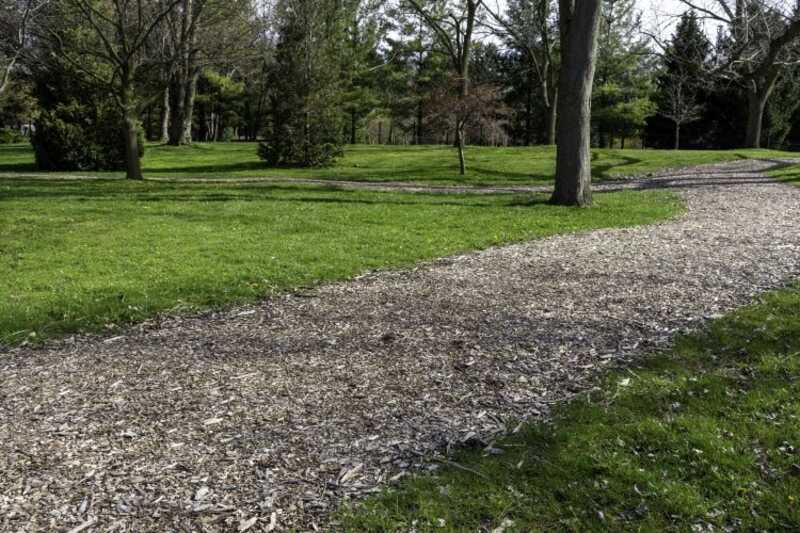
column 660, row 15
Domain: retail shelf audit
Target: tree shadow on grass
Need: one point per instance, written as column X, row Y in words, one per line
column 603, row 171
column 170, row 192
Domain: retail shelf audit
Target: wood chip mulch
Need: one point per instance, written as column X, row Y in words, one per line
column 267, row 417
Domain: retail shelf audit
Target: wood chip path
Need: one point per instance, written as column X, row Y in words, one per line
column 266, row 417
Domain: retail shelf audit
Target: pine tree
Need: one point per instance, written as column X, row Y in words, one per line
column 306, row 112
column 623, row 85
column 682, row 84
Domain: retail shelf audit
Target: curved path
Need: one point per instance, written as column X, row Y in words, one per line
column 276, row 412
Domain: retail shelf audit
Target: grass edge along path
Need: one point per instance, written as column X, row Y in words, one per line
column 787, row 174
column 92, row 256
column 705, row 437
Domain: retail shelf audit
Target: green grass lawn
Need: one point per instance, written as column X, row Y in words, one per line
column 705, row 438
column 790, row 174
column 425, row 164
column 82, row 255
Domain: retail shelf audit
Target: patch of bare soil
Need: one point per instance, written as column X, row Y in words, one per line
column 266, row 417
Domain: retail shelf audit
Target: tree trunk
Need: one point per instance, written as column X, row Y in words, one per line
column 353, row 122
column 133, row 166
column 165, row 117
column 462, row 164
column 552, row 114
column 677, row 136
column 177, row 112
column 757, row 103
column 580, row 21
column 188, row 108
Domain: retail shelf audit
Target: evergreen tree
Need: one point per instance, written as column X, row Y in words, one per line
column 365, row 28
column 306, row 99
column 623, row 84
column 682, row 84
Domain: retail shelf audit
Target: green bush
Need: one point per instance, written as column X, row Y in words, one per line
column 9, row 136
column 305, row 155
column 74, row 137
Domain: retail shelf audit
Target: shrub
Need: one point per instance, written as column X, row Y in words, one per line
column 74, row 137
column 79, row 127
column 306, row 155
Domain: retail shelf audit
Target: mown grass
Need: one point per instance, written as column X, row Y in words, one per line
column 704, row 438
column 86, row 255
column 788, row 174
column 424, row 164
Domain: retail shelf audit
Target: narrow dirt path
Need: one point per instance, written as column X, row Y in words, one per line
column 281, row 410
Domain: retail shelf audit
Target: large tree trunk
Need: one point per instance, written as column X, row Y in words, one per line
column 133, row 166
column 758, row 94
column 756, row 104
column 177, row 113
column 188, row 108
column 580, row 21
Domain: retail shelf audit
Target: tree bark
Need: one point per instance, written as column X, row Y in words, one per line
column 756, row 104
column 552, row 120
column 133, row 165
column 579, row 20
column 188, row 108
column 165, row 117
column 677, row 136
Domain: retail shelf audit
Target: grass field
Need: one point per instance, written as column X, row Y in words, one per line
column 705, row 438
column 789, row 174
column 85, row 255
column 426, row 164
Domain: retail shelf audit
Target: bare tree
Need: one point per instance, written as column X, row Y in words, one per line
column 534, row 37
column 681, row 106
column 200, row 32
column 454, row 26
column 122, row 29
column 579, row 21
column 16, row 19
column 762, row 34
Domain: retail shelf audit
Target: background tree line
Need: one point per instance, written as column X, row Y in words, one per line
column 94, row 79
